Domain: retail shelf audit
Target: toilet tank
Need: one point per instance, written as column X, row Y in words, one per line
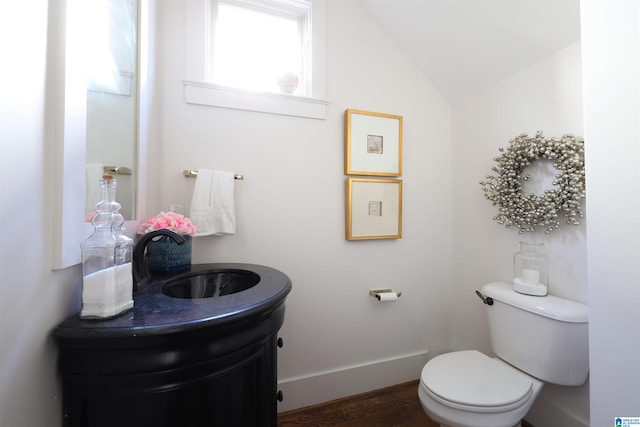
column 547, row 337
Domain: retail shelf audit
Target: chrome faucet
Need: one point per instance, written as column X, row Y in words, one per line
column 139, row 265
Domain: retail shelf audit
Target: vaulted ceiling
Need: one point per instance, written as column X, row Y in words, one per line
column 466, row 45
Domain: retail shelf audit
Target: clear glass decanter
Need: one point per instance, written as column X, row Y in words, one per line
column 530, row 270
column 107, row 283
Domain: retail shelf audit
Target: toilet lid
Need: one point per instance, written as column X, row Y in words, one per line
column 474, row 379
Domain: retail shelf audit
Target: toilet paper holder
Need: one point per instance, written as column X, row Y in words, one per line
column 376, row 293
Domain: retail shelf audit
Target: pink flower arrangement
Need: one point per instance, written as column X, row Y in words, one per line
column 89, row 216
column 171, row 221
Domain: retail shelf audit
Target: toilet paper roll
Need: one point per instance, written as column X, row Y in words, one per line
column 387, row 296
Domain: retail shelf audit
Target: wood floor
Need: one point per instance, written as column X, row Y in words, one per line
column 395, row 406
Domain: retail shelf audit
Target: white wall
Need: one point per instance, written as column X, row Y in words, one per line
column 611, row 66
column 290, row 208
column 545, row 96
column 33, row 298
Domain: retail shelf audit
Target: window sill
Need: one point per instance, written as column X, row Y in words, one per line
column 212, row 95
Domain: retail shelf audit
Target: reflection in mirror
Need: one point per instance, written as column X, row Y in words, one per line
column 112, row 99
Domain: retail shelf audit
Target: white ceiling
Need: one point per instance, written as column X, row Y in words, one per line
column 466, row 45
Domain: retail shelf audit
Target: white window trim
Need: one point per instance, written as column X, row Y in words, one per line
column 202, row 93
column 199, row 91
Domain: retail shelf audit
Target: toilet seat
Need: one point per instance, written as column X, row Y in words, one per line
column 472, row 381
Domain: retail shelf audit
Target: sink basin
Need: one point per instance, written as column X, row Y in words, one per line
column 210, row 283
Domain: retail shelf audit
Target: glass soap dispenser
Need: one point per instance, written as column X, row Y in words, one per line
column 107, row 282
column 530, row 269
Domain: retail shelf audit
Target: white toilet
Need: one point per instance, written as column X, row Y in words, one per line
column 537, row 340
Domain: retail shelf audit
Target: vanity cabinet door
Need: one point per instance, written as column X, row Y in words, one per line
column 235, row 390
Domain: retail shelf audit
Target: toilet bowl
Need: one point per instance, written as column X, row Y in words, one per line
column 470, row 389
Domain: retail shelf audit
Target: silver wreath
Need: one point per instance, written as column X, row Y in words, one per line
column 528, row 211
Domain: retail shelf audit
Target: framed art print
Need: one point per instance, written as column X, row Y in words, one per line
column 373, row 144
column 373, row 209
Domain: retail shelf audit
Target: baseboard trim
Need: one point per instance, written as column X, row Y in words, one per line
column 322, row 387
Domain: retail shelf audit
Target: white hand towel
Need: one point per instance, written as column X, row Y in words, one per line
column 94, row 172
column 212, row 204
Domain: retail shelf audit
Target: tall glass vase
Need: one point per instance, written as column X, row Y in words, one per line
column 530, row 275
column 107, row 282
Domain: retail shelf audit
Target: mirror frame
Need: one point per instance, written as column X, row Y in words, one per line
column 68, row 107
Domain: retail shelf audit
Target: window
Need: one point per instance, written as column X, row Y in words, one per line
column 260, row 48
column 258, row 55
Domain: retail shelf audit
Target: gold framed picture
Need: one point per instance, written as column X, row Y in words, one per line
column 373, row 143
column 373, row 208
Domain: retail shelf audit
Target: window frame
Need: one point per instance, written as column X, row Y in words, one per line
column 199, row 90
column 295, row 10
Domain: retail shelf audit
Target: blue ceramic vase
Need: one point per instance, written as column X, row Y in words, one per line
column 165, row 256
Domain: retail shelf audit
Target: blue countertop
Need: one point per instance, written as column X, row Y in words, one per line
column 155, row 314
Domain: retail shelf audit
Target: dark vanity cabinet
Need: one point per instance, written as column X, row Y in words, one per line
column 179, row 366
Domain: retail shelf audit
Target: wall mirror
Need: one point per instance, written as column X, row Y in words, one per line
column 99, row 106
column 112, row 99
